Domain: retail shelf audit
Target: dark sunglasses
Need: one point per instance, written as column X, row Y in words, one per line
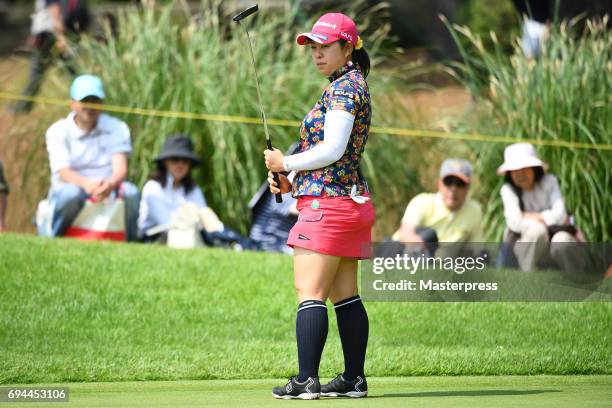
column 454, row 181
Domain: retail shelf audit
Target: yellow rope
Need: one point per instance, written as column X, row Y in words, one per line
column 293, row 123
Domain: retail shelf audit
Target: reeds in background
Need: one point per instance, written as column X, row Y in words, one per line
column 200, row 64
column 566, row 95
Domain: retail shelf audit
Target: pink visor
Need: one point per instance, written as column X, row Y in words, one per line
column 329, row 28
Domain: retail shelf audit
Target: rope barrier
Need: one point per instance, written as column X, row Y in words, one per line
column 423, row 133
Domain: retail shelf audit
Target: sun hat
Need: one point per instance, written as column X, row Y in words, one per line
column 178, row 146
column 456, row 167
column 332, row 27
column 520, row 156
column 86, row 85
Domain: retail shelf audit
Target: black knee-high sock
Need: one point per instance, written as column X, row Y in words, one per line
column 311, row 332
column 353, row 327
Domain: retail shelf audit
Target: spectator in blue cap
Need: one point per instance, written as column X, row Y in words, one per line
column 88, row 156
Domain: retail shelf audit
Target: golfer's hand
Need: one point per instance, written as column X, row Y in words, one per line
column 285, row 185
column 274, row 160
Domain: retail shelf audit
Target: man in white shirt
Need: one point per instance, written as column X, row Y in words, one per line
column 88, row 156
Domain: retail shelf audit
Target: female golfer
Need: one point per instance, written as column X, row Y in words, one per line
column 336, row 215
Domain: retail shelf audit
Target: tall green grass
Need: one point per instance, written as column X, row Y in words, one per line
column 161, row 60
column 566, row 95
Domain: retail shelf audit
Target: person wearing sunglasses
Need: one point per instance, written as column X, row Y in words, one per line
column 448, row 215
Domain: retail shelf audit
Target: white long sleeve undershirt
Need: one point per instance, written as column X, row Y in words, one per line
column 337, row 132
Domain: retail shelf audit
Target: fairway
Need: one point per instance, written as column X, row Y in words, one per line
column 104, row 312
column 439, row 392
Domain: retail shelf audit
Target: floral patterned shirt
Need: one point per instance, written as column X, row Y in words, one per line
column 348, row 91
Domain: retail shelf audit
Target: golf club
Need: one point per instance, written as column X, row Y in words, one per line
column 237, row 18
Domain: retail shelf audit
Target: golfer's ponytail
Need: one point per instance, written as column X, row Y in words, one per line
column 362, row 58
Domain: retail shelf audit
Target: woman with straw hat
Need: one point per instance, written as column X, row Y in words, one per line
column 535, row 211
column 336, row 215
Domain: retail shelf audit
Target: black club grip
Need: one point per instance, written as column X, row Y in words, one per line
column 278, row 196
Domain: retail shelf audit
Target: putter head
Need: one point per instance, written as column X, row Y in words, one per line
column 245, row 13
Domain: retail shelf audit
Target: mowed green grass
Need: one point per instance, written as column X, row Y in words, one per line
column 73, row 311
column 438, row 392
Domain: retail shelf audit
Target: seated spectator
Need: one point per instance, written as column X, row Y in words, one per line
column 4, row 190
column 535, row 212
column 446, row 216
column 171, row 193
column 88, row 156
column 170, row 186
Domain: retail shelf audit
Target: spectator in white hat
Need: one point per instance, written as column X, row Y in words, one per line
column 535, row 212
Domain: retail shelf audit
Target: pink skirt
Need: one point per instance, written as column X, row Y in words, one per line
column 334, row 226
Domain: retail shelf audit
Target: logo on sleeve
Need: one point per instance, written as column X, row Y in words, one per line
column 344, row 94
